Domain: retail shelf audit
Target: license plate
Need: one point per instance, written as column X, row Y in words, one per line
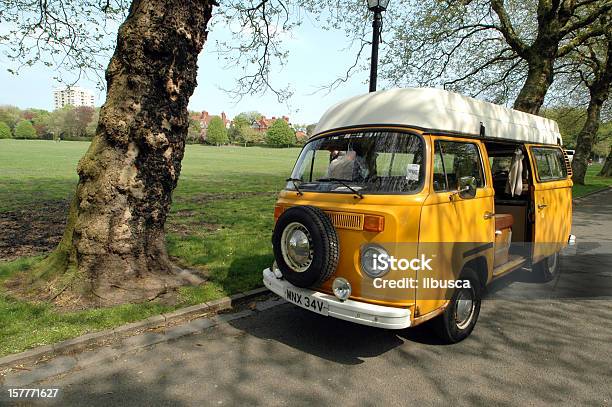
column 306, row 301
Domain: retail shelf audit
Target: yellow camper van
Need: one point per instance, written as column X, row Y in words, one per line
column 407, row 203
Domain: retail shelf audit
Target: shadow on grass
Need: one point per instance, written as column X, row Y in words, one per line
column 245, row 272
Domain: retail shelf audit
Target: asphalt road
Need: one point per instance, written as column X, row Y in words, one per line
column 523, row 352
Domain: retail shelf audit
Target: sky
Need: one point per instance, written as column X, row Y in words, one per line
column 316, row 58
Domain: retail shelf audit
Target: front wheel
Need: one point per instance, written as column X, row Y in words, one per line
column 461, row 314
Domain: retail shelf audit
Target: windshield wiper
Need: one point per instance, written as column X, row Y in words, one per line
column 294, row 180
column 344, row 183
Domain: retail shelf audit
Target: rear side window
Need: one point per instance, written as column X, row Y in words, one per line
column 550, row 163
column 453, row 160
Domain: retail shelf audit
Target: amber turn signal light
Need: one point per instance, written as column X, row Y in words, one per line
column 373, row 223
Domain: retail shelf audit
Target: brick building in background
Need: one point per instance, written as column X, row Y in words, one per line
column 262, row 125
column 301, row 136
column 204, row 118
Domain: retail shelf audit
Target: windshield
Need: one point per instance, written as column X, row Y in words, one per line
column 368, row 162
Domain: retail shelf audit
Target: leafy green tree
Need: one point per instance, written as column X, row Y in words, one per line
column 133, row 264
column 92, row 126
column 40, row 121
column 249, row 117
column 216, row 133
column 280, row 134
column 570, row 121
column 5, row 130
column 83, row 116
column 194, row 134
column 593, row 63
column 238, row 128
column 25, row 130
column 310, row 129
column 10, row 115
column 606, row 170
column 56, row 123
column 604, row 140
column 242, row 131
column 251, row 136
column 495, row 49
column 70, row 124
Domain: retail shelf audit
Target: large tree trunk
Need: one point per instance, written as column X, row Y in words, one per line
column 585, row 141
column 114, row 245
column 540, row 76
column 599, row 90
column 606, row 171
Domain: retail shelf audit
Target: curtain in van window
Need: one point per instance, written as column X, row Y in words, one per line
column 514, row 186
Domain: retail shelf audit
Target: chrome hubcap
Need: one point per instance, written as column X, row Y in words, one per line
column 464, row 309
column 296, row 247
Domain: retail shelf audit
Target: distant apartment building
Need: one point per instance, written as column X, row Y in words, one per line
column 73, row 96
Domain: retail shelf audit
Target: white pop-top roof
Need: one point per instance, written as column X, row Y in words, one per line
column 437, row 109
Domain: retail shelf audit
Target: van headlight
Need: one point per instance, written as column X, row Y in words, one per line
column 374, row 260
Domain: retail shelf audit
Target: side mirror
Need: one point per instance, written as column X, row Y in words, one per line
column 467, row 187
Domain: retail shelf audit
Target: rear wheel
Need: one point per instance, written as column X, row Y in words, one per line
column 547, row 269
column 461, row 314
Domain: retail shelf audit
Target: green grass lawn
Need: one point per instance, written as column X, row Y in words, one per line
column 220, row 223
column 592, row 182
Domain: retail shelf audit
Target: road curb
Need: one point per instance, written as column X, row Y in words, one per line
column 63, row 364
column 157, row 321
column 599, row 191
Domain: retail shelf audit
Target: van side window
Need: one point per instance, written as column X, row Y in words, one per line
column 549, row 163
column 453, row 160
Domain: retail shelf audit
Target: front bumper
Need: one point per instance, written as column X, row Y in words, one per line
column 349, row 310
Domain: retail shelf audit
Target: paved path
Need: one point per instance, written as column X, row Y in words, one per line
column 527, row 352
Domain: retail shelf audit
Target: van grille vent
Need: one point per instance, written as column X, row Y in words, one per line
column 346, row 220
column 568, row 164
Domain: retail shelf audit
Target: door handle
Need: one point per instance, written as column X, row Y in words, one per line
column 542, row 206
column 488, row 215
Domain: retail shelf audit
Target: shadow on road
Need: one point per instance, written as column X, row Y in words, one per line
column 538, row 350
column 329, row 338
column 121, row 388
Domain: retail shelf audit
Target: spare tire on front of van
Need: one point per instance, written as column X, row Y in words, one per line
column 305, row 246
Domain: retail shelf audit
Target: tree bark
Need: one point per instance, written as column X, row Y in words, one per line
column 114, row 242
column 585, row 141
column 606, row 171
column 542, row 53
column 539, row 78
column 599, row 90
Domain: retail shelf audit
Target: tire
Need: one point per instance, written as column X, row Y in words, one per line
column 547, row 269
column 306, row 268
column 448, row 326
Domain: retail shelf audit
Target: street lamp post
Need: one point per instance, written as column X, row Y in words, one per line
column 376, row 6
